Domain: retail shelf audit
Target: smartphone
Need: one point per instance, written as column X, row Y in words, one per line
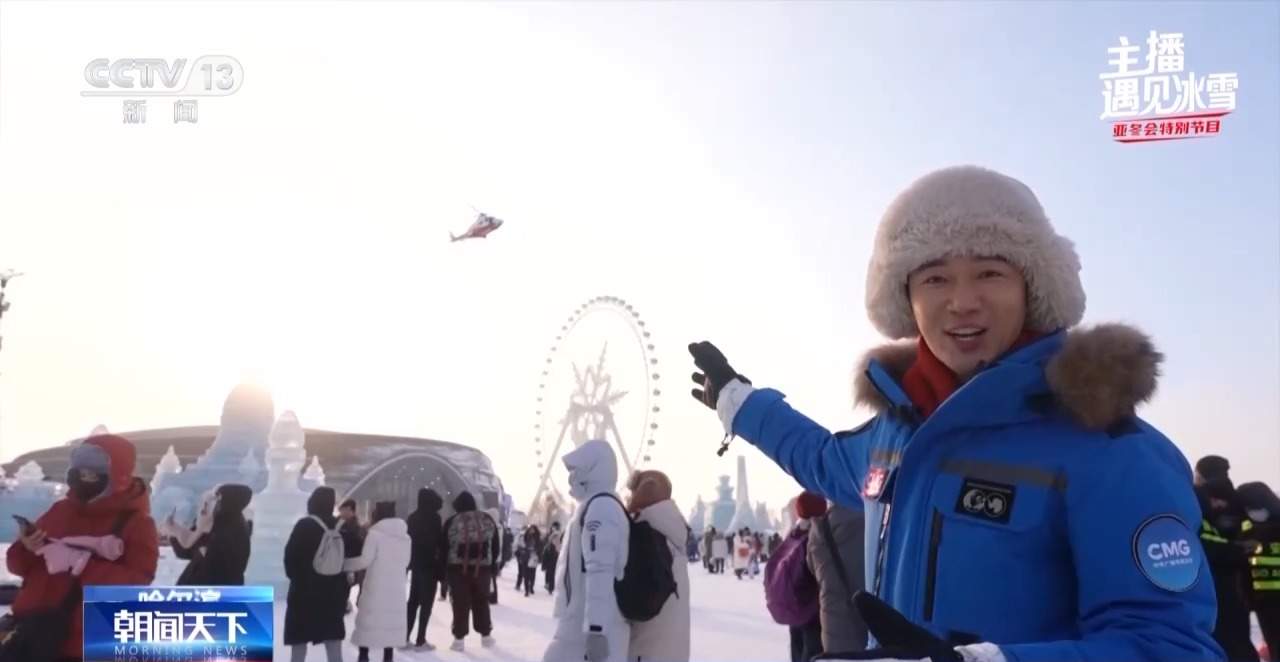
column 24, row 524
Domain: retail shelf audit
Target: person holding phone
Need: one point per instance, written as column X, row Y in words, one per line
column 219, row 553
column 24, row 525
column 101, row 532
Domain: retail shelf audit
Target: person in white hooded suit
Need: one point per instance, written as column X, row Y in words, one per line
column 589, row 625
column 381, row 620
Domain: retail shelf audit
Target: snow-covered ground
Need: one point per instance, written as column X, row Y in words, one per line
column 729, row 624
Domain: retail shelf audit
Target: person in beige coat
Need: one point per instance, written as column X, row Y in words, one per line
column 665, row 637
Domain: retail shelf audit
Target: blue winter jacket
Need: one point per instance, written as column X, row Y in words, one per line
column 1031, row 510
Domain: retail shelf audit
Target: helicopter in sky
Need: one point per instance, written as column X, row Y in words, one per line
column 480, row 228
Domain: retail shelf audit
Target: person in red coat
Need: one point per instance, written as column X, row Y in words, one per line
column 103, row 497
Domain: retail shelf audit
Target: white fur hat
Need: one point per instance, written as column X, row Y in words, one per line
column 972, row 211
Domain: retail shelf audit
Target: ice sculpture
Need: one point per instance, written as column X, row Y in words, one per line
column 698, row 518
column 27, row 494
column 722, row 509
column 762, row 517
column 743, row 515
column 313, row 477
column 168, row 466
column 278, row 507
column 246, row 421
column 250, row 468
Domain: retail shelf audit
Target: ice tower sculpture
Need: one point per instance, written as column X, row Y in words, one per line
column 168, row 467
column 313, row 477
column 762, row 517
column 167, row 496
column 278, row 507
column 787, row 518
column 250, row 470
column 28, row 494
column 698, row 518
column 722, row 509
column 743, row 515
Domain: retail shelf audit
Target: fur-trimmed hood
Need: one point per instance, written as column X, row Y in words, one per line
column 1099, row 375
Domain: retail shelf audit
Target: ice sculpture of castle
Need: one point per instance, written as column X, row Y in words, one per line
column 722, row 509
column 236, row 456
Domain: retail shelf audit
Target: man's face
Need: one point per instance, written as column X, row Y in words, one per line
column 969, row 310
column 347, row 513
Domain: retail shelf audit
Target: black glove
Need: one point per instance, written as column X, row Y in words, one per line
column 899, row 638
column 715, row 373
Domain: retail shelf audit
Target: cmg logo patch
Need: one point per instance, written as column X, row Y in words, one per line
column 1167, row 553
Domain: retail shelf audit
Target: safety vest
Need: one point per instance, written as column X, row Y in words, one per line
column 1264, row 568
column 1210, row 533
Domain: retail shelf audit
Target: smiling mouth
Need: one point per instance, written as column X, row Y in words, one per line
column 966, row 333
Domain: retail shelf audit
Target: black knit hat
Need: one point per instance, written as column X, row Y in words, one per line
column 1257, row 496
column 1213, row 467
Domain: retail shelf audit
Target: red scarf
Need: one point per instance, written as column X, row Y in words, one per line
column 928, row 382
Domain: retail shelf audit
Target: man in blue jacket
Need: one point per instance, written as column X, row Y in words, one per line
column 1017, row 510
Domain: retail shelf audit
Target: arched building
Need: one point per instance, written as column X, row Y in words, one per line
column 364, row 467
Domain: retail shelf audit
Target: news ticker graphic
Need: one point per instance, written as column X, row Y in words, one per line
column 178, row 623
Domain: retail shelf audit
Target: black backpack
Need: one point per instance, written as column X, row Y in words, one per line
column 647, row 581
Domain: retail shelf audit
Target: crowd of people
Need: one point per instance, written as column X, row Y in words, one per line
column 743, row 551
column 1240, row 532
column 534, row 551
column 102, row 532
column 1004, row 504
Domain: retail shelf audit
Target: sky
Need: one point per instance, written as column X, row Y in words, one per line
column 720, row 166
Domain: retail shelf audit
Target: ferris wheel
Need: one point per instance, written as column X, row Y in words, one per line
column 599, row 380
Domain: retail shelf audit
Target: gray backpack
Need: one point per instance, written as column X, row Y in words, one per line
column 330, row 553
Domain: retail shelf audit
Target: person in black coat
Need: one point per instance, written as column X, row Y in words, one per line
column 508, row 546
column 219, row 557
column 1222, row 534
column 314, row 608
column 426, row 564
column 551, row 557
column 353, row 540
column 1263, row 507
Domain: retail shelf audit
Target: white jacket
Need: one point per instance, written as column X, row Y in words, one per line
column 381, row 619
column 585, row 601
column 665, row 637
